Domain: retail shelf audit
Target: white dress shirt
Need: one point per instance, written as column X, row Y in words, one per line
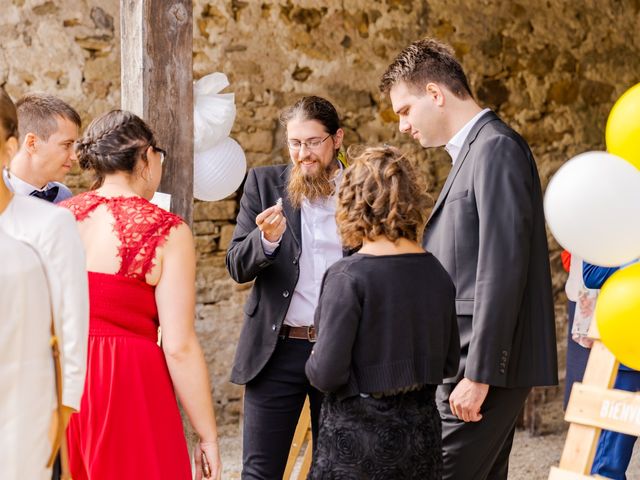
column 53, row 234
column 321, row 247
column 454, row 145
column 27, row 399
column 20, row 187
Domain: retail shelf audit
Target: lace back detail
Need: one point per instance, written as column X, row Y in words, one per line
column 82, row 205
column 141, row 227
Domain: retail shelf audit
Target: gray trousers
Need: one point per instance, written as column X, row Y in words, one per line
column 480, row 450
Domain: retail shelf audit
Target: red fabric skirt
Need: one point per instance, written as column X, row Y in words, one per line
column 129, row 425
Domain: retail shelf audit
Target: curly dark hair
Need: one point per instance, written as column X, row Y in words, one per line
column 424, row 61
column 381, row 193
column 114, row 142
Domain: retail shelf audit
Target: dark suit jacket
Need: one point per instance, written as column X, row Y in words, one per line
column 275, row 276
column 487, row 229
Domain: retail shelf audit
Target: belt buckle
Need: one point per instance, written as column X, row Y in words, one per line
column 311, row 334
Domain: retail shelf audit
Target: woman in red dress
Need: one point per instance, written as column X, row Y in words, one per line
column 141, row 263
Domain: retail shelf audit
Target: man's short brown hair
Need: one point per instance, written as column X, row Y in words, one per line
column 381, row 194
column 38, row 113
column 424, row 61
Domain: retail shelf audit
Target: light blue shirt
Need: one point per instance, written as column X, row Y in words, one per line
column 20, row 187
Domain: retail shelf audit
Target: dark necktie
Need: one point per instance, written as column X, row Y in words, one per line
column 49, row 194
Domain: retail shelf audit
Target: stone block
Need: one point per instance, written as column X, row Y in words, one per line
column 226, row 234
column 206, row 227
column 222, row 210
column 211, row 262
column 260, row 141
column 206, row 243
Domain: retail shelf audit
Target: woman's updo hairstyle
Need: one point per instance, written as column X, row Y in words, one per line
column 113, row 142
column 381, row 194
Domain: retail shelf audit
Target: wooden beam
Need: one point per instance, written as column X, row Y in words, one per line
column 557, row 474
column 614, row 410
column 157, row 84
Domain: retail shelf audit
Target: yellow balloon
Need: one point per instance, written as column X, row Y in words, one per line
column 623, row 127
column 618, row 315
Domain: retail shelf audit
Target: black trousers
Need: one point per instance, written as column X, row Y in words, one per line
column 272, row 404
column 480, row 450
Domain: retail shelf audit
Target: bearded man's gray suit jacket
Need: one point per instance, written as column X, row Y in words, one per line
column 487, row 229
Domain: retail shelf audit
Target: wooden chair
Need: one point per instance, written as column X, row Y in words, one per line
column 593, row 406
column 301, row 438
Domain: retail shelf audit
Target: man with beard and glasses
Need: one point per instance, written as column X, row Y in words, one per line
column 285, row 239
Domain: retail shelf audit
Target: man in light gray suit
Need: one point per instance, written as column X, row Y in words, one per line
column 487, row 229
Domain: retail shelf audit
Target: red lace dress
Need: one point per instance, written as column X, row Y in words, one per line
column 128, row 426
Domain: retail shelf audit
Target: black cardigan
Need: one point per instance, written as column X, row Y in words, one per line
column 384, row 323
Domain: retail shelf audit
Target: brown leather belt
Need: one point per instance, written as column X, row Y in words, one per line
column 299, row 333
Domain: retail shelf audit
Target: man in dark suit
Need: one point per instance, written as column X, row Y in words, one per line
column 487, row 229
column 285, row 239
column 49, row 128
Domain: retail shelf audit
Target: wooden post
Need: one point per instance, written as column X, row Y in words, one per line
column 157, row 84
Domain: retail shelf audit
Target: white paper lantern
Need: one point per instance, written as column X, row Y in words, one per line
column 218, row 171
column 213, row 112
column 592, row 206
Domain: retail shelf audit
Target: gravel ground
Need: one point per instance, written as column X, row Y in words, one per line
column 531, row 457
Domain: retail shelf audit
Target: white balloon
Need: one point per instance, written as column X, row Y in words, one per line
column 213, row 112
column 219, row 171
column 592, row 206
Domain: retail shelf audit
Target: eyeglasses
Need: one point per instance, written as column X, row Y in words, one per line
column 311, row 144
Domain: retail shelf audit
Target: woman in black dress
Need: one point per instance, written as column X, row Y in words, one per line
column 387, row 332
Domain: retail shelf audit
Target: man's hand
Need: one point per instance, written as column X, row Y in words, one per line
column 467, row 398
column 272, row 223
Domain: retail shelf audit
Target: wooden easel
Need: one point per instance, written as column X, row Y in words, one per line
column 593, row 406
column 301, row 437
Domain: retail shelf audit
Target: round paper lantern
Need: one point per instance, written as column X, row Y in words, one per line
column 592, row 206
column 623, row 127
column 218, row 171
column 617, row 314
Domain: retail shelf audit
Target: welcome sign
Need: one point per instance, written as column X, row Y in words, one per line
column 614, row 410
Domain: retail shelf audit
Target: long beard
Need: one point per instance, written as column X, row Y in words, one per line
column 311, row 186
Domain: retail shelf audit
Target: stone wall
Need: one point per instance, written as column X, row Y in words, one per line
column 552, row 69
